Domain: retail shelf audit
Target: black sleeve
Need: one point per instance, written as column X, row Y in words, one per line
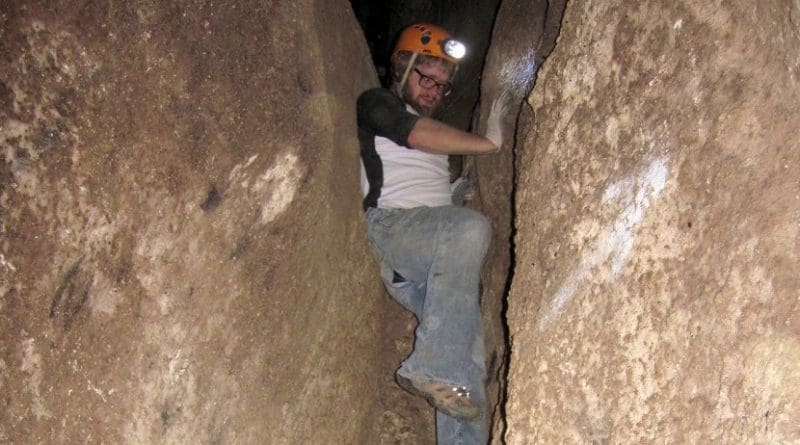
column 383, row 114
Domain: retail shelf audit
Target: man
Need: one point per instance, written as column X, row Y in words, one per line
column 430, row 251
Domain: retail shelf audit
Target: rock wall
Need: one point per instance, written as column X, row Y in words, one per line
column 655, row 297
column 182, row 254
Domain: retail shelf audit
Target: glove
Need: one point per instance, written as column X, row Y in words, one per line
column 494, row 125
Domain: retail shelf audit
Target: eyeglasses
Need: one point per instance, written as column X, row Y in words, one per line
column 427, row 82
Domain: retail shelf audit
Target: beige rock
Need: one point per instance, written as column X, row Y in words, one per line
column 181, row 256
column 182, row 259
column 655, row 295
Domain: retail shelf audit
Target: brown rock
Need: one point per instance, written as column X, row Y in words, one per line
column 182, row 259
column 655, row 291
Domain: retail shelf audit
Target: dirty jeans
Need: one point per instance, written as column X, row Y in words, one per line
column 438, row 253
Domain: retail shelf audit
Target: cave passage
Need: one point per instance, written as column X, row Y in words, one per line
column 381, row 23
column 182, row 246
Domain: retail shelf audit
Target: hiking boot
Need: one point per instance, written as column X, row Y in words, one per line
column 455, row 401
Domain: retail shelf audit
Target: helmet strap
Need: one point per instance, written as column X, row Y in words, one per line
column 408, row 70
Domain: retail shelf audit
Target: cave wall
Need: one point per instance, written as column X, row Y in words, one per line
column 655, row 295
column 182, row 252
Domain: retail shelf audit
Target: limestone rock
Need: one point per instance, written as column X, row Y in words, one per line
column 655, row 296
column 181, row 256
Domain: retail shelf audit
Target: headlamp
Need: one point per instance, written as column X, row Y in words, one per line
column 454, row 49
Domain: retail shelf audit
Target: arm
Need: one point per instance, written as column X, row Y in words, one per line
column 435, row 137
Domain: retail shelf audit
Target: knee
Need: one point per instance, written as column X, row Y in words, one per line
column 475, row 229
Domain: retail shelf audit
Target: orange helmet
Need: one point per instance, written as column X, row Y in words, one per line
column 432, row 40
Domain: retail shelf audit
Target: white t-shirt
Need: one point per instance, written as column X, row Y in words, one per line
column 410, row 178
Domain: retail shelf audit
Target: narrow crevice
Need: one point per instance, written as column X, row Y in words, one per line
column 512, row 264
column 553, row 20
column 406, row 422
column 466, row 106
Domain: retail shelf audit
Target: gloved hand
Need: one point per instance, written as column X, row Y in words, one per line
column 494, row 125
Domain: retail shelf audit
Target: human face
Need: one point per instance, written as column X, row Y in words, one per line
column 426, row 100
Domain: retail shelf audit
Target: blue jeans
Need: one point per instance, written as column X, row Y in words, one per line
column 431, row 259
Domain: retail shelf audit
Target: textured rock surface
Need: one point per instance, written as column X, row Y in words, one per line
column 655, row 297
column 402, row 418
column 181, row 258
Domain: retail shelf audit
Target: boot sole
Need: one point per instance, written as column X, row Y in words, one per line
column 442, row 396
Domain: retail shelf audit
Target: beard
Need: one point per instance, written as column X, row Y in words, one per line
column 425, row 108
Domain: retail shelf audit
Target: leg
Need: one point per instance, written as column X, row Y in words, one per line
column 410, row 294
column 452, row 431
column 444, row 248
column 449, row 339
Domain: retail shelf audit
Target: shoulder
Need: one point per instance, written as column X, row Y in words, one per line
column 382, row 113
column 378, row 97
column 379, row 107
